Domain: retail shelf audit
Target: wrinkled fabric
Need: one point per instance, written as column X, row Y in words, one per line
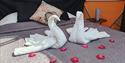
column 25, row 8
column 71, row 6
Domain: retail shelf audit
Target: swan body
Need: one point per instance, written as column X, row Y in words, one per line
column 55, row 39
column 56, row 32
column 81, row 34
column 35, row 45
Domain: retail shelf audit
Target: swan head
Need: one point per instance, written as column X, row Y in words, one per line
column 54, row 18
column 79, row 15
column 51, row 17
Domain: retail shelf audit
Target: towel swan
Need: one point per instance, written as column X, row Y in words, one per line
column 56, row 32
column 80, row 34
column 55, row 38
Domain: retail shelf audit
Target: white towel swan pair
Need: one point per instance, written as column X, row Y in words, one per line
column 56, row 38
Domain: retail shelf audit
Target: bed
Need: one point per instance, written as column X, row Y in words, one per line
column 114, row 52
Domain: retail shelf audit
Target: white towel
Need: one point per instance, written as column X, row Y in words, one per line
column 11, row 18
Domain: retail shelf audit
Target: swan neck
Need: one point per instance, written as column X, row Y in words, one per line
column 51, row 24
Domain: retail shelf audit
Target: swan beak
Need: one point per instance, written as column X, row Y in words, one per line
column 79, row 15
column 58, row 19
column 55, row 17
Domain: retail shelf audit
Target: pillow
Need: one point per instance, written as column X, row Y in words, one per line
column 44, row 8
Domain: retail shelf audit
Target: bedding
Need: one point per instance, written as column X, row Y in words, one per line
column 113, row 52
column 42, row 10
column 26, row 8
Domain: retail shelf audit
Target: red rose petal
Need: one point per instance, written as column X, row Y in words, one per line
column 111, row 40
column 100, row 56
column 62, row 49
column 85, row 46
column 75, row 59
column 53, row 60
column 101, row 46
column 31, row 54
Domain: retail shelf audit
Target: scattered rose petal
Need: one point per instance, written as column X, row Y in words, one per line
column 101, row 46
column 31, row 54
column 85, row 46
column 100, row 56
column 62, row 49
column 75, row 60
column 53, row 60
column 111, row 40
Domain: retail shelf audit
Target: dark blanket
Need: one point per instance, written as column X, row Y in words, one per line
column 26, row 8
column 68, row 5
column 71, row 6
